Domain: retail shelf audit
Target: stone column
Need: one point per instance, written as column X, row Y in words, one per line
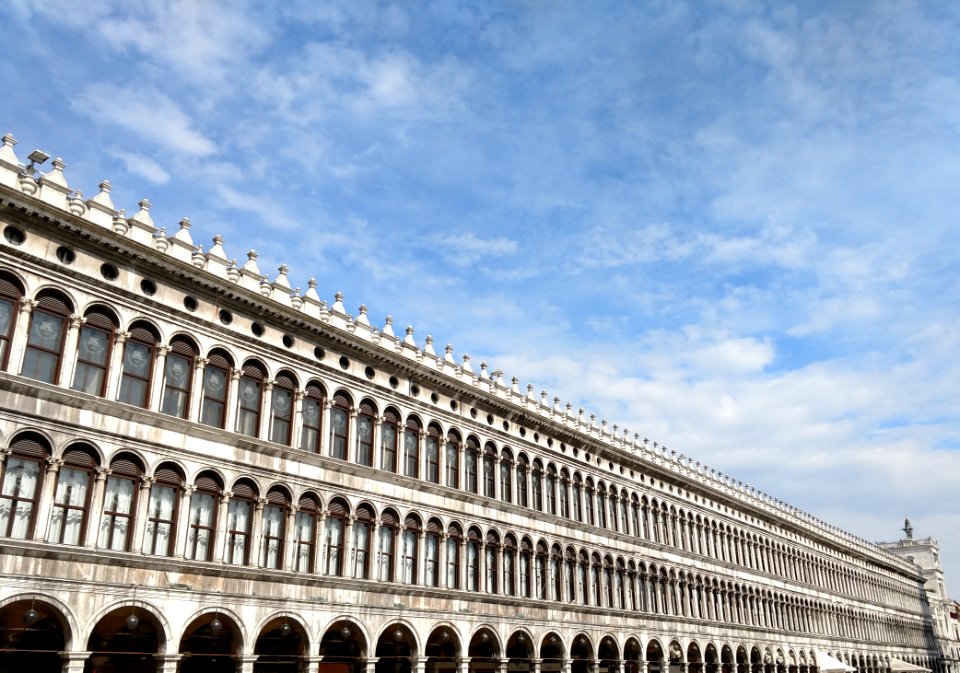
column 420, row 665
column 159, row 373
column 371, row 664
column 47, row 493
column 462, row 566
column 349, row 553
column 442, row 562
column 265, row 426
column 196, row 390
column 73, row 662
column 183, row 522
column 256, row 534
column 420, row 571
column 463, row 665
column 115, row 371
column 230, row 412
column 143, row 512
column 21, row 334
column 169, row 663
column 245, row 663
column 289, row 541
column 320, row 549
column 96, row 507
column 220, row 527
column 70, row 350
column 296, row 432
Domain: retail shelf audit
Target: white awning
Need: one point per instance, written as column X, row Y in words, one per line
column 827, row 663
column 897, row 665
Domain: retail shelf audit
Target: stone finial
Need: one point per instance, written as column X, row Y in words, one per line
column 198, row 259
column 142, row 216
column 281, row 280
column 484, row 374
column 514, row 385
column 296, row 301
column 183, row 235
column 498, row 377
column 908, row 528
column 428, row 346
column 251, row 266
column 76, row 205
column 7, row 155
column 160, row 240
column 408, row 339
column 556, row 404
column 102, row 204
column 387, row 330
column 530, row 394
column 56, row 176
column 217, row 249
column 362, row 318
column 120, row 224
column 466, row 366
column 338, row 304
column 448, row 355
column 543, row 399
column 265, row 285
column 233, row 273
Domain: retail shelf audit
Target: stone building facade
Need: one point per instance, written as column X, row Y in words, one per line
column 204, row 469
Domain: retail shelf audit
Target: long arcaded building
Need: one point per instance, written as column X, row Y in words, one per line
column 205, row 469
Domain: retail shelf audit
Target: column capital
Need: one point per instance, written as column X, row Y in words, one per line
column 27, row 305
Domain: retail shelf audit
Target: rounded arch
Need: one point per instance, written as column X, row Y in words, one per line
column 283, row 641
column 484, row 650
column 211, row 641
column 443, row 648
column 38, row 623
column 345, row 642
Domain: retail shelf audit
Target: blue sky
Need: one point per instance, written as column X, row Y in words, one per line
column 728, row 226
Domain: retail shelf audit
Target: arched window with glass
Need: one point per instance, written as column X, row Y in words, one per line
column 410, row 557
column 583, row 578
column 411, row 447
column 489, row 470
column 216, row 387
column 596, row 583
column 162, row 509
column 556, row 571
column 139, row 351
column 178, row 377
column 275, row 511
column 432, row 454
column 22, row 479
column 311, row 417
column 454, row 536
column 522, row 498
column 386, row 545
column 250, row 398
column 431, row 553
column 614, row 509
column 563, row 493
column 204, row 503
column 389, row 440
column 120, row 503
column 570, row 575
column 240, row 523
column 305, row 533
column 340, row 426
column 536, row 485
column 48, row 328
column 550, row 490
column 68, row 515
column 492, row 571
column 509, row 562
column 601, row 505
column 362, row 541
column 619, row 585
column 576, row 497
column 333, row 538
column 635, row 515
column 11, row 294
column 366, row 418
column 473, row 559
column 526, row 568
column 281, row 408
column 608, row 582
column 506, row 475
column 624, row 516
column 588, row 501
column 541, row 570
column 94, row 344
column 453, row 459
column 471, row 460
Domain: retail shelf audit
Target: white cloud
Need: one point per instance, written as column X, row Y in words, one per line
column 142, row 165
column 466, row 249
column 146, row 112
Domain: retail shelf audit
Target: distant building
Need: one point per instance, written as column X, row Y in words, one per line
column 204, row 469
column 925, row 553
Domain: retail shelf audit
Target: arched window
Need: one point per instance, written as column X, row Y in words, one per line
column 68, row 517
column 595, row 581
column 178, row 377
column 526, row 568
column 431, row 554
column 22, row 477
column 411, row 549
column 577, row 497
column 250, row 398
column 281, row 408
column 601, row 506
column 11, row 293
column 536, row 485
column 386, row 544
column 138, row 353
column 624, row 517
column 471, row 458
column 333, row 537
column 588, row 501
column 93, row 351
column 453, row 459
column 389, row 436
column 489, row 470
column 274, row 528
column 614, row 509
column 340, row 426
column 522, row 480
column 509, row 558
column 48, row 323
column 204, row 502
column 432, row 457
column 564, row 494
column 550, row 490
column 490, row 561
column 453, row 556
column 305, row 533
column 362, row 534
column 411, row 448
column 216, row 386
column 239, row 523
column 556, row 571
column 473, row 560
column 312, row 417
column 570, row 575
column 583, row 574
column 365, row 421
column 541, row 571
column 162, row 511
column 635, row 515
column 506, row 475
column 119, row 504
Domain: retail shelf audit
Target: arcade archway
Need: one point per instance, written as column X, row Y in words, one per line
column 32, row 635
